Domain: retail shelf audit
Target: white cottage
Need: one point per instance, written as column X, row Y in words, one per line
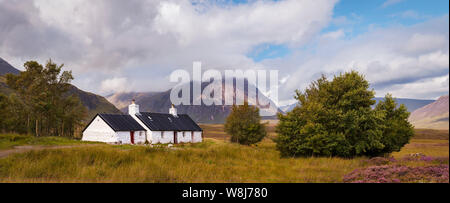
column 139, row 127
column 167, row 128
column 114, row 128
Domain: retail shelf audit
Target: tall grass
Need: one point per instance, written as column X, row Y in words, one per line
column 212, row 161
column 10, row 140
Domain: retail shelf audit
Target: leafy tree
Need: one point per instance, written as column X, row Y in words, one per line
column 4, row 102
column 244, row 125
column 43, row 95
column 397, row 131
column 336, row 118
column 12, row 114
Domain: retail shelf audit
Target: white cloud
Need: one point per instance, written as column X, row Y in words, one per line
column 145, row 39
column 430, row 88
column 390, row 3
column 393, row 58
column 419, row 43
column 112, row 40
column 334, row 35
column 117, row 84
column 248, row 24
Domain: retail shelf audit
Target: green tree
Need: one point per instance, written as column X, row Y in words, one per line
column 12, row 113
column 244, row 125
column 4, row 103
column 335, row 118
column 45, row 99
column 397, row 131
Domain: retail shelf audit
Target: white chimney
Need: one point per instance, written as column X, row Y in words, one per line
column 173, row 111
column 133, row 109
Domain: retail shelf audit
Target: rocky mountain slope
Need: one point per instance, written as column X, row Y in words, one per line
column 5, row 68
column 159, row 102
column 434, row 115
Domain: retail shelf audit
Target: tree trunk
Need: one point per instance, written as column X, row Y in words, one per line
column 62, row 128
column 28, row 124
column 37, row 128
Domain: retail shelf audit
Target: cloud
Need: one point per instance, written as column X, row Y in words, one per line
column 390, row 3
column 117, row 84
column 134, row 45
column 392, row 59
column 145, row 39
column 334, row 35
column 429, row 88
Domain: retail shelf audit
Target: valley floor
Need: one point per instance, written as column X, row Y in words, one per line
column 214, row 160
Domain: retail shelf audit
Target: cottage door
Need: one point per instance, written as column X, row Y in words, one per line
column 132, row 137
column 175, row 137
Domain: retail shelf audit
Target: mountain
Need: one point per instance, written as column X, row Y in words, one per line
column 94, row 103
column 411, row 104
column 433, row 116
column 5, row 68
column 287, row 108
column 159, row 102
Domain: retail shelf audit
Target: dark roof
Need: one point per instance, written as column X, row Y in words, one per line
column 119, row 122
column 168, row 122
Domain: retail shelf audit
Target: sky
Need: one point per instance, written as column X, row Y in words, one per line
column 401, row 46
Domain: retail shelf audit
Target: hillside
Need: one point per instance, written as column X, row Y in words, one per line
column 411, row 104
column 434, row 115
column 94, row 103
column 5, row 68
column 159, row 102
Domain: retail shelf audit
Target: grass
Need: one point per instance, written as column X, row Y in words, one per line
column 8, row 141
column 429, row 147
column 431, row 134
column 211, row 161
column 214, row 160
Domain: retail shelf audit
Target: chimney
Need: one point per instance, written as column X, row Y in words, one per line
column 173, row 111
column 133, row 108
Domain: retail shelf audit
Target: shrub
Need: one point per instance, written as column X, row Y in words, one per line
column 336, row 118
column 397, row 131
column 398, row 173
column 244, row 125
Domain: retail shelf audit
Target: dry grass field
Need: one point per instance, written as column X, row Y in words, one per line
column 214, row 160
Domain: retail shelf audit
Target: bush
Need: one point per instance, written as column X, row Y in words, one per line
column 336, row 118
column 397, row 131
column 244, row 125
column 399, row 174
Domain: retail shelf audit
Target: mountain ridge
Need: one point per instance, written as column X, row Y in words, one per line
column 5, row 68
column 159, row 102
column 434, row 115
